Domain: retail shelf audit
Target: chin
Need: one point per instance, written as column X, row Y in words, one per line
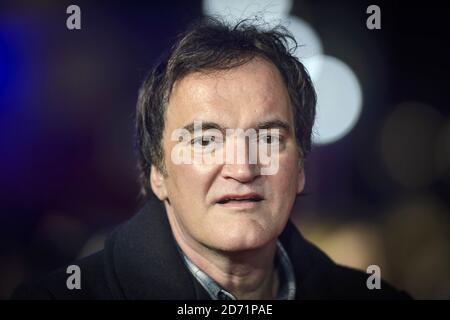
column 242, row 236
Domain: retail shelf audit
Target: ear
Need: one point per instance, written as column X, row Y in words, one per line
column 301, row 180
column 158, row 183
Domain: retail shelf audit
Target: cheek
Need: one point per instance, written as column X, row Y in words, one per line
column 194, row 176
column 284, row 184
column 190, row 182
column 283, row 188
column 287, row 178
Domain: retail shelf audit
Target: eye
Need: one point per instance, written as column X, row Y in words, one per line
column 203, row 141
column 270, row 139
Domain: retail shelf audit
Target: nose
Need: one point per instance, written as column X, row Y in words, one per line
column 243, row 173
column 240, row 167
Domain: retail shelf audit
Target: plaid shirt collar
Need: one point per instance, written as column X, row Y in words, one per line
column 286, row 290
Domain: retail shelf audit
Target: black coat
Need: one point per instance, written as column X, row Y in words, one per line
column 140, row 261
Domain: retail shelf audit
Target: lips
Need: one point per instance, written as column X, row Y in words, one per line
column 236, row 198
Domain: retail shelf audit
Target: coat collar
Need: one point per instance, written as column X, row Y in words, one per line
column 142, row 261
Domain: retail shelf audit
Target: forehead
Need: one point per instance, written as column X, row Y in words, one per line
column 247, row 93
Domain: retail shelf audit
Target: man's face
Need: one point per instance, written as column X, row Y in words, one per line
column 244, row 97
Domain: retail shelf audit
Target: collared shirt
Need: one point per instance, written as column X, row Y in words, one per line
column 286, row 289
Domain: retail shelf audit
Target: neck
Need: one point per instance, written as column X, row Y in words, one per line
column 248, row 274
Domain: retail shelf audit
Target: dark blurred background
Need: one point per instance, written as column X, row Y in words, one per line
column 377, row 195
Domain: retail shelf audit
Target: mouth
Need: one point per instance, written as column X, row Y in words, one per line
column 240, row 199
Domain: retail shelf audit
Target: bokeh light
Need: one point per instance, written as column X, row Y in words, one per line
column 339, row 99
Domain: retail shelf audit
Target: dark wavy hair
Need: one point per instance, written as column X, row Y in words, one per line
column 211, row 44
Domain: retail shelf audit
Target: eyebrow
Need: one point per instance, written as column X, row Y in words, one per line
column 270, row 124
column 274, row 124
column 206, row 125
